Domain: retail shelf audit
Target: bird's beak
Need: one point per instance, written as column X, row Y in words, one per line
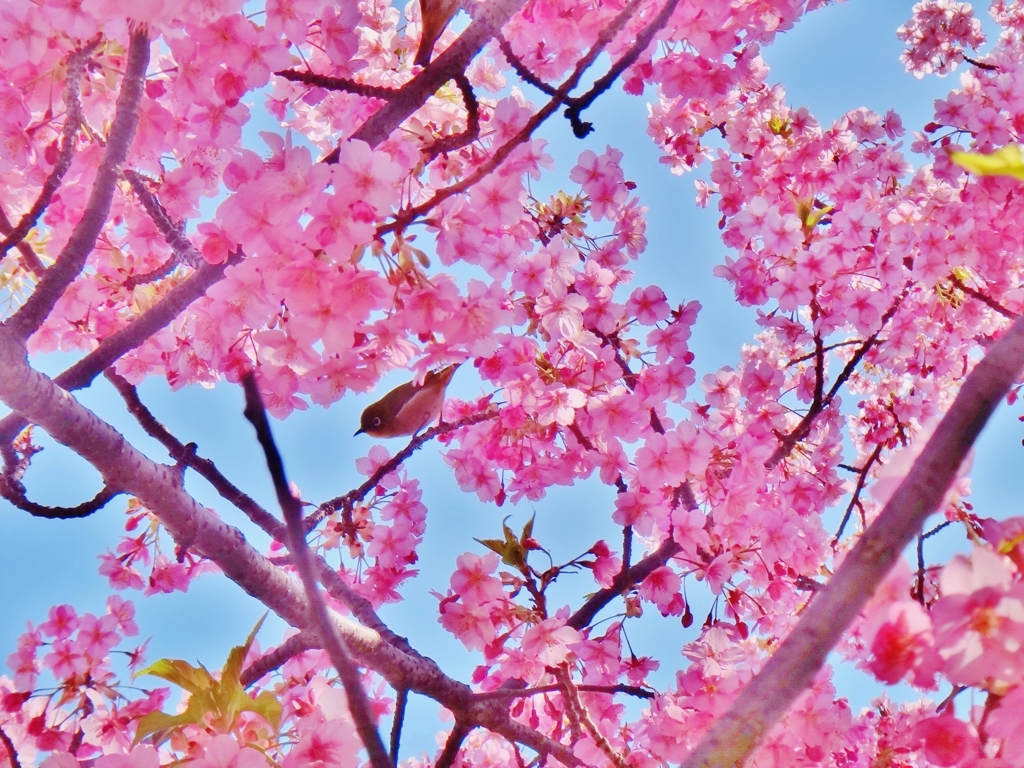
column 358, row 432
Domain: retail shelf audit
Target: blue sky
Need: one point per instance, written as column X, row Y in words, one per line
column 836, row 59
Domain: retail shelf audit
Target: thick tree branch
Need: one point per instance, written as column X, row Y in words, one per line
column 275, row 657
column 488, row 21
column 158, row 487
column 85, row 371
column 832, row 609
column 69, row 134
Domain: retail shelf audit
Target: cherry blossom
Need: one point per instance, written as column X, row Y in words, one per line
column 196, row 191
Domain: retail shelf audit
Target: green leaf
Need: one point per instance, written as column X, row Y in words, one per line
column 495, row 545
column 162, row 724
column 233, row 666
column 528, row 528
column 159, row 721
column 216, row 702
column 269, row 708
column 181, row 673
column 1007, row 161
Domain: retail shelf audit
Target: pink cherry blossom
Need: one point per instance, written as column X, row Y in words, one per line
column 548, row 641
column 979, row 620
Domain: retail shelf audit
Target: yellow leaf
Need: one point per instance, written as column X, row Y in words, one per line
column 1007, row 161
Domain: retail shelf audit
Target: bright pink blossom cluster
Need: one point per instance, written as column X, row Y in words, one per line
column 877, row 285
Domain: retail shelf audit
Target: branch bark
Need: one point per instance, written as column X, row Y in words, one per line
column 490, row 18
column 82, row 373
column 797, row 660
column 158, row 487
column 78, row 247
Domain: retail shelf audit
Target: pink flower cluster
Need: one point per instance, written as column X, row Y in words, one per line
column 877, row 287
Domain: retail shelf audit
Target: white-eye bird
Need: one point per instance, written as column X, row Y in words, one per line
column 435, row 15
column 407, row 408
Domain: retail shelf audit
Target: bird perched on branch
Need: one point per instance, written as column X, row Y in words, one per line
column 407, row 408
column 435, row 15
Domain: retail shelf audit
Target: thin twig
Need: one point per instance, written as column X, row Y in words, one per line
column 827, row 348
column 402, row 699
column 344, row 503
column 186, row 455
column 14, row 492
column 488, row 19
column 575, row 105
column 919, row 582
column 472, row 132
column 625, row 580
column 162, row 271
column 451, row 746
column 862, row 476
column 16, row 459
column 12, row 753
column 338, row 84
column 819, row 362
column 173, row 232
column 302, row 558
column 789, row 441
column 979, row 64
column 30, row 259
column 404, row 217
column 586, row 442
column 570, row 696
column 986, row 300
column 521, row 69
column 85, row 709
column 581, row 128
column 509, row 693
